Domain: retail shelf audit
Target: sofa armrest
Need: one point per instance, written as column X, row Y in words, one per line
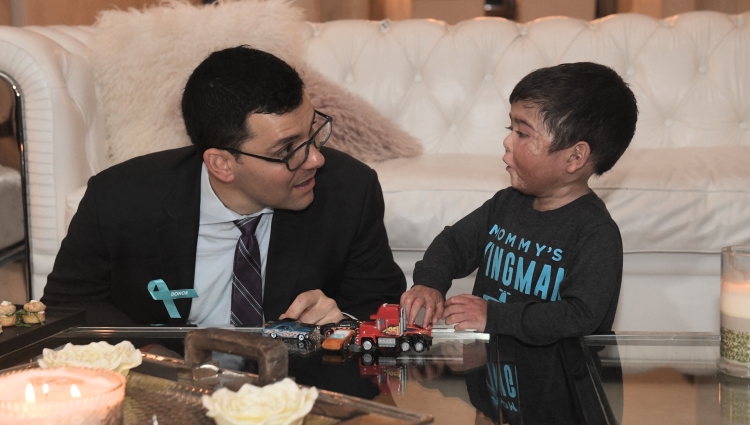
column 59, row 117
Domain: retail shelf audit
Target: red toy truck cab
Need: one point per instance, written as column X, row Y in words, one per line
column 387, row 328
column 384, row 372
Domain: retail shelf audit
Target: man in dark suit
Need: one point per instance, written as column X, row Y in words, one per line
column 162, row 227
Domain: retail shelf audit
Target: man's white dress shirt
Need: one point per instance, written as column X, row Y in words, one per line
column 214, row 259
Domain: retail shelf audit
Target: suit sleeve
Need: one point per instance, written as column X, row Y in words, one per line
column 81, row 275
column 371, row 277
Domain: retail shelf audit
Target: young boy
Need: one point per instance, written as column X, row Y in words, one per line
column 549, row 256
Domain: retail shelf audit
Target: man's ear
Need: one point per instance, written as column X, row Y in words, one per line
column 220, row 164
column 578, row 156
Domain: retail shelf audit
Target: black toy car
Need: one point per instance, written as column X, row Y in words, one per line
column 327, row 329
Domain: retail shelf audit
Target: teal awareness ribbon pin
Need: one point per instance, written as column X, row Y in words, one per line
column 169, row 295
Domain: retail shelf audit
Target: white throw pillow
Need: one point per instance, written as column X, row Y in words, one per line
column 143, row 58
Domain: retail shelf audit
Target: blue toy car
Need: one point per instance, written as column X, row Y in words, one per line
column 288, row 328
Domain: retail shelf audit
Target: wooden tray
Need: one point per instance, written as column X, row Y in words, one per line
column 180, row 404
column 58, row 319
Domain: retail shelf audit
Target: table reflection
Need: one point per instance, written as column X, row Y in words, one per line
column 472, row 379
column 505, row 380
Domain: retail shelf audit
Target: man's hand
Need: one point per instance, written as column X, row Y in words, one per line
column 313, row 307
column 468, row 311
column 422, row 296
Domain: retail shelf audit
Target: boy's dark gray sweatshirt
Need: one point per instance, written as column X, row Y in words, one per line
column 546, row 275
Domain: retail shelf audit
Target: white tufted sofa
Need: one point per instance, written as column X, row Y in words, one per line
column 680, row 193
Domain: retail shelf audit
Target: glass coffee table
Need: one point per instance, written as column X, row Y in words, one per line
column 471, row 378
column 665, row 379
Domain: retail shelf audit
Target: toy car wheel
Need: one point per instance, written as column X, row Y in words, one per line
column 273, row 335
column 418, row 346
column 301, row 337
column 405, row 346
column 368, row 345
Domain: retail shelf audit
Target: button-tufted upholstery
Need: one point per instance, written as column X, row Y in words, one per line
column 679, row 194
column 449, row 85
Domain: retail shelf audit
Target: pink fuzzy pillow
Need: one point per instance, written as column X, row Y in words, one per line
column 358, row 128
column 142, row 59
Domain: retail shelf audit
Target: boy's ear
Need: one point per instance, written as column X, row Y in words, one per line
column 578, row 156
column 220, row 164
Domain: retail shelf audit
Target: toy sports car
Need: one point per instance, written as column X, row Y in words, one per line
column 288, row 328
column 339, row 339
column 327, row 329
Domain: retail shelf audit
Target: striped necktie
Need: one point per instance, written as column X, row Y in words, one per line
column 247, row 284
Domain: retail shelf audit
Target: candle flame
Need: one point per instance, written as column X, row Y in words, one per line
column 74, row 392
column 45, row 389
column 30, row 397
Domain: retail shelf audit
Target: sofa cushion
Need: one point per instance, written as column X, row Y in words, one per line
column 692, row 199
column 426, row 193
column 654, row 195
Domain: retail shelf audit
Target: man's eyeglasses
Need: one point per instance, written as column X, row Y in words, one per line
column 299, row 154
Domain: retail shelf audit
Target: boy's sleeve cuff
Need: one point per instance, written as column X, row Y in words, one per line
column 504, row 319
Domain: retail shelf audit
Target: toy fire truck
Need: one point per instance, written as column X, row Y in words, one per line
column 387, row 328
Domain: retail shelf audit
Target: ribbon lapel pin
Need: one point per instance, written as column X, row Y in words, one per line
column 169, row 295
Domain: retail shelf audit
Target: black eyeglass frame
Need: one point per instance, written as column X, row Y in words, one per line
column 305, row 145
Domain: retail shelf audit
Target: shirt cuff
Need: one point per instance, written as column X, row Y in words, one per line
column 349, row 316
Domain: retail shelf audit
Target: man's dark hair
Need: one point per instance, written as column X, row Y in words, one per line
column 230, row 85
column 583, row 101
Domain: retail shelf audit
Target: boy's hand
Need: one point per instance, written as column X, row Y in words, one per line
column 422, row 296
column 468, row 311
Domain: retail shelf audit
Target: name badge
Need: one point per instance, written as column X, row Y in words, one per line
column 160, row 292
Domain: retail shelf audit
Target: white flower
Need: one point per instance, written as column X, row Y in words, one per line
column 120, row 358
column 282, row 403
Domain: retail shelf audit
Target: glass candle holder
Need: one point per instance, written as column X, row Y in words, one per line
column 735, row 311
column 79, row 396
column 734, row 399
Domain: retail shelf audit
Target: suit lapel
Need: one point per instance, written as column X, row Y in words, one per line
column 290, row 232
column 179, row 238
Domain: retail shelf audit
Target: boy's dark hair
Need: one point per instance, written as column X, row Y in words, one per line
column 230, row 85
column 583, row 101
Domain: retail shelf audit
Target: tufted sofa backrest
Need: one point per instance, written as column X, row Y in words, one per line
column 449, row 85
column 446, row 85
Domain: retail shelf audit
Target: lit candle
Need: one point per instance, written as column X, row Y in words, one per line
column 735, row 300
column 30, row 396
column 735, row 321
column 91, row 396
column 735, row 311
